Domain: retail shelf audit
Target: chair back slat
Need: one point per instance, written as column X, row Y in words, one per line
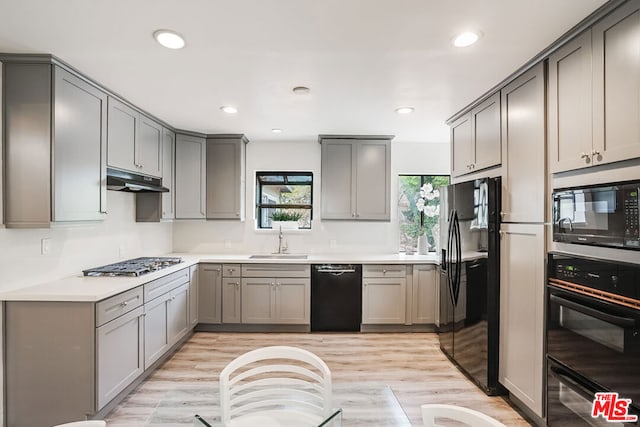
column 277, row 378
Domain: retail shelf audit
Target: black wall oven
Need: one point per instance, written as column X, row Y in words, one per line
column 593, row 337
column 600, row 215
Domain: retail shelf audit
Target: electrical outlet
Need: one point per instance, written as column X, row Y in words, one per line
column 121, row 251
column 45, row 246
column 227, row 243
column 333, row 243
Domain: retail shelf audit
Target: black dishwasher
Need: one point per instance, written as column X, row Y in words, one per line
column 336, row 297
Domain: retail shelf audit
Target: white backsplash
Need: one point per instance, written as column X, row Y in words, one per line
column 74, row 247
column 325, row 236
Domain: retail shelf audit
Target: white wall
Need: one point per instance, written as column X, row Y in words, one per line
column 78, row 246
column 324, row 236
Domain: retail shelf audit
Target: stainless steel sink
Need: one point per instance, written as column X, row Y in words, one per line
column 278, row 256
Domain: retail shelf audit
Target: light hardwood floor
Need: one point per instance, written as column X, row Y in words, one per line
column 410, row 364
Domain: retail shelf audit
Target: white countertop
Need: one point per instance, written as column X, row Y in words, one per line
column 79, row 288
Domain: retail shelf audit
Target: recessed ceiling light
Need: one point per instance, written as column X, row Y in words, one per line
column 404, row 110
column 169, row 39
column 301, row 90
column 276, row 130
column 229, row 109
column 466, row 39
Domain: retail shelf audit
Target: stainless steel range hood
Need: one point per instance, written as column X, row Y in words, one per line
column 126, row 181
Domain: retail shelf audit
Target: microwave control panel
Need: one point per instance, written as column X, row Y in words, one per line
column 632, row 217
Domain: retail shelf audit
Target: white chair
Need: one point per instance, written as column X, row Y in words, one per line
column 275, row 386
column 89, row 423
column 457, row 413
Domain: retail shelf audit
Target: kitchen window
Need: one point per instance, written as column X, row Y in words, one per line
column 419, row 213
column 284, row 196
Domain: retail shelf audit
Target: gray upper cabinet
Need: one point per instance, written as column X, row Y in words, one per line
column 616, row 85
column 476, row 138
column 134, row 140
column 569, row 105
column 226, row 176
column 168, row 173
column 190, row 177
column 122, row 132
column 356, row 178
column 594, row 94
column 461, row 151
column 523, row 179
column 54, row 142
column 150, row 147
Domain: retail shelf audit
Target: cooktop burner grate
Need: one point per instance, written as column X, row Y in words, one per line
column 133, row 267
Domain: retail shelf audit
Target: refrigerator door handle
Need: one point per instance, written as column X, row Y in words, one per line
column 450, row 239
column 458, row 266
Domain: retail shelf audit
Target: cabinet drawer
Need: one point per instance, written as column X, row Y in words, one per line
column 384, row 270
column 118, row 305
column 163, row 285
column 276, row 270
column 231, row 270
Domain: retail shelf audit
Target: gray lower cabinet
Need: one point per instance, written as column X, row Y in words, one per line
column 209, row 293
column 166, row 314
column 276, row 294
column 120, row 353
column 424, row 294
column 356, row 177
column 54, row 134
column 231, row 293
column 384, row 297
column 226, row 176
column 194, row 278
column 190, row 179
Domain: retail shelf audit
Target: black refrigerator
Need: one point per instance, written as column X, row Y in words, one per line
column 469, row 279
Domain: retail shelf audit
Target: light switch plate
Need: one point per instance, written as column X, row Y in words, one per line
column 333, row 243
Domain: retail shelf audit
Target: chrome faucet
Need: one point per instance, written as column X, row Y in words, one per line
column 282, row 244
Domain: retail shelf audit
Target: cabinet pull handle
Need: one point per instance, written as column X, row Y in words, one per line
column 583, row 155
column 384, row 271
column 231, row 270
column 595, row 152
column 124, row 303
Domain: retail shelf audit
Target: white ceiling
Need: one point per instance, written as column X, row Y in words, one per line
column 361, row 58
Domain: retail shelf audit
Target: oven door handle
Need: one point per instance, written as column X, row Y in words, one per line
column 624, row 322
column 587, row 392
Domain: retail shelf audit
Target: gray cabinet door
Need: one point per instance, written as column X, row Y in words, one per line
column 522, row 263
column 156, row 337
column 258, row 300
column 425, row 282
column 193, row 295
column 79, row 162
column 570, row 104
column 293, row 301
column 373, row 180
column 119, row 350
column 523, row 178
column 461, row 149
column 190, row 177
column 149, row 147
column 122, row 131
column 616, row 85
column 168, row 173
column 486, row 150
column 178, row 314
column 209, row 293
column 383, row 300
column 224, row 178
column 231, row 300
column 338, row 180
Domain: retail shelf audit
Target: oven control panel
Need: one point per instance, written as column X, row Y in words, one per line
column 616, row 278
column 631, row 218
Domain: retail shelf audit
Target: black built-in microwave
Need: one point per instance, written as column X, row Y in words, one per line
column 599, row 215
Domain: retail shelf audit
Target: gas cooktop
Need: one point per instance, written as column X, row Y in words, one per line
column 133, row 267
